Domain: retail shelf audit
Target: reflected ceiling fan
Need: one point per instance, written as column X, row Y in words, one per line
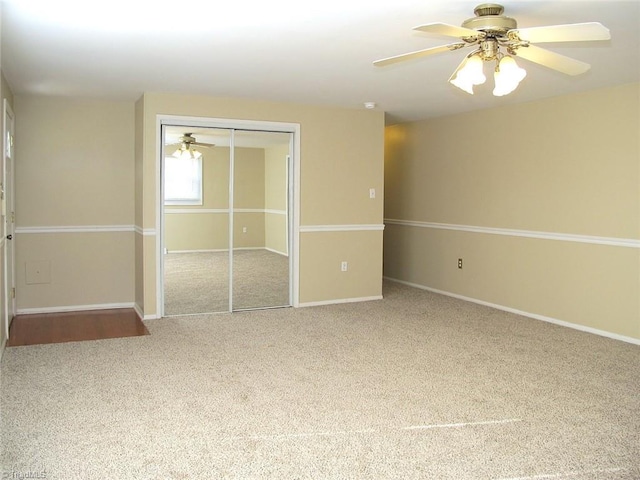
column 493, row 34
column 186, row 146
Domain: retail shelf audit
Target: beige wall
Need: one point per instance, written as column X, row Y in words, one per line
column 76, row 162
column 248, row 190
column 84, row 269
column 341, row 158
column 89, row 156
column 567, row 166
column 248, row 193
column 260, row 184
column 275, row 198
column 201, row 229
column 196, row 231
column 75, row 168
column 275, row 233
column 362, row 280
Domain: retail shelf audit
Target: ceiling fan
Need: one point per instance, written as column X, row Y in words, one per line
column 493, row 34
column 186, row 146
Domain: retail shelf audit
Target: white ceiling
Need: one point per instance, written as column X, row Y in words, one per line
column 293, row 51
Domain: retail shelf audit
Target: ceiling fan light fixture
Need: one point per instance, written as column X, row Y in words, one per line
column 462, row 85
column 186, row 152
column 469, row 74
column 490, row 32
column 507, row 76
column 178, row 152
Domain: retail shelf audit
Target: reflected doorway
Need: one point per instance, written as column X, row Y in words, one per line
column 226, row 219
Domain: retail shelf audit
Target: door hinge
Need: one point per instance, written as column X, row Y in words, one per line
column 13, row 217
column 13, row 292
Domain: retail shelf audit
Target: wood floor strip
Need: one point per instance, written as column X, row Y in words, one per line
column 37, row 329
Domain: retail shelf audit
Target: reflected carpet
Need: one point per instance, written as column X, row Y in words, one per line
column 198, row 282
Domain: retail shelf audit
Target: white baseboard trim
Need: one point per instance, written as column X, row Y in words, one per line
column 339, row 300
column 74, row 308
column 276, row 251
column 535, row 316
column 141, row 314
column 226, row 250
column 201, row 211
column 199, row 251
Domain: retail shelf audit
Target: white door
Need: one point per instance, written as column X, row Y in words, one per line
column 7, row 221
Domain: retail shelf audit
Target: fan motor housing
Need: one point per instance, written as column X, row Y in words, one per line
column 489, row 19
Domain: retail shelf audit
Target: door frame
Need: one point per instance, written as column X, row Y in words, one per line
column 8, row 202
column 293, row 186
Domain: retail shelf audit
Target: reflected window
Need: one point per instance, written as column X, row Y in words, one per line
column 183, row 181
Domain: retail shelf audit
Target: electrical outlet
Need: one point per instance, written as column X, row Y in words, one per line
column 372, row 193
column 344, row 266
column 244, row 229
column 460, row 263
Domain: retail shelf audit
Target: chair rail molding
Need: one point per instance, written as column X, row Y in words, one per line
column 565, row 237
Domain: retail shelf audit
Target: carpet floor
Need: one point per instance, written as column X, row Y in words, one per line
column 415, row 386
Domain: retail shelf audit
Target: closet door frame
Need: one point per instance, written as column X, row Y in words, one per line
column 293, row 188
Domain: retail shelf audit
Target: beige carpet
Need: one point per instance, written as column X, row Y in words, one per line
column 415, row 386
column 199, row 282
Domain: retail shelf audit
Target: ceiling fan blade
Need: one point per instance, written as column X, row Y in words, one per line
column 575, row 32
column 193, row 144
column 418, row 54
column 449, row 30
column 553, row 60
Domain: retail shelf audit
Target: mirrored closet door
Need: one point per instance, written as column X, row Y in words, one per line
column 260, row 220
column 225, row 188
